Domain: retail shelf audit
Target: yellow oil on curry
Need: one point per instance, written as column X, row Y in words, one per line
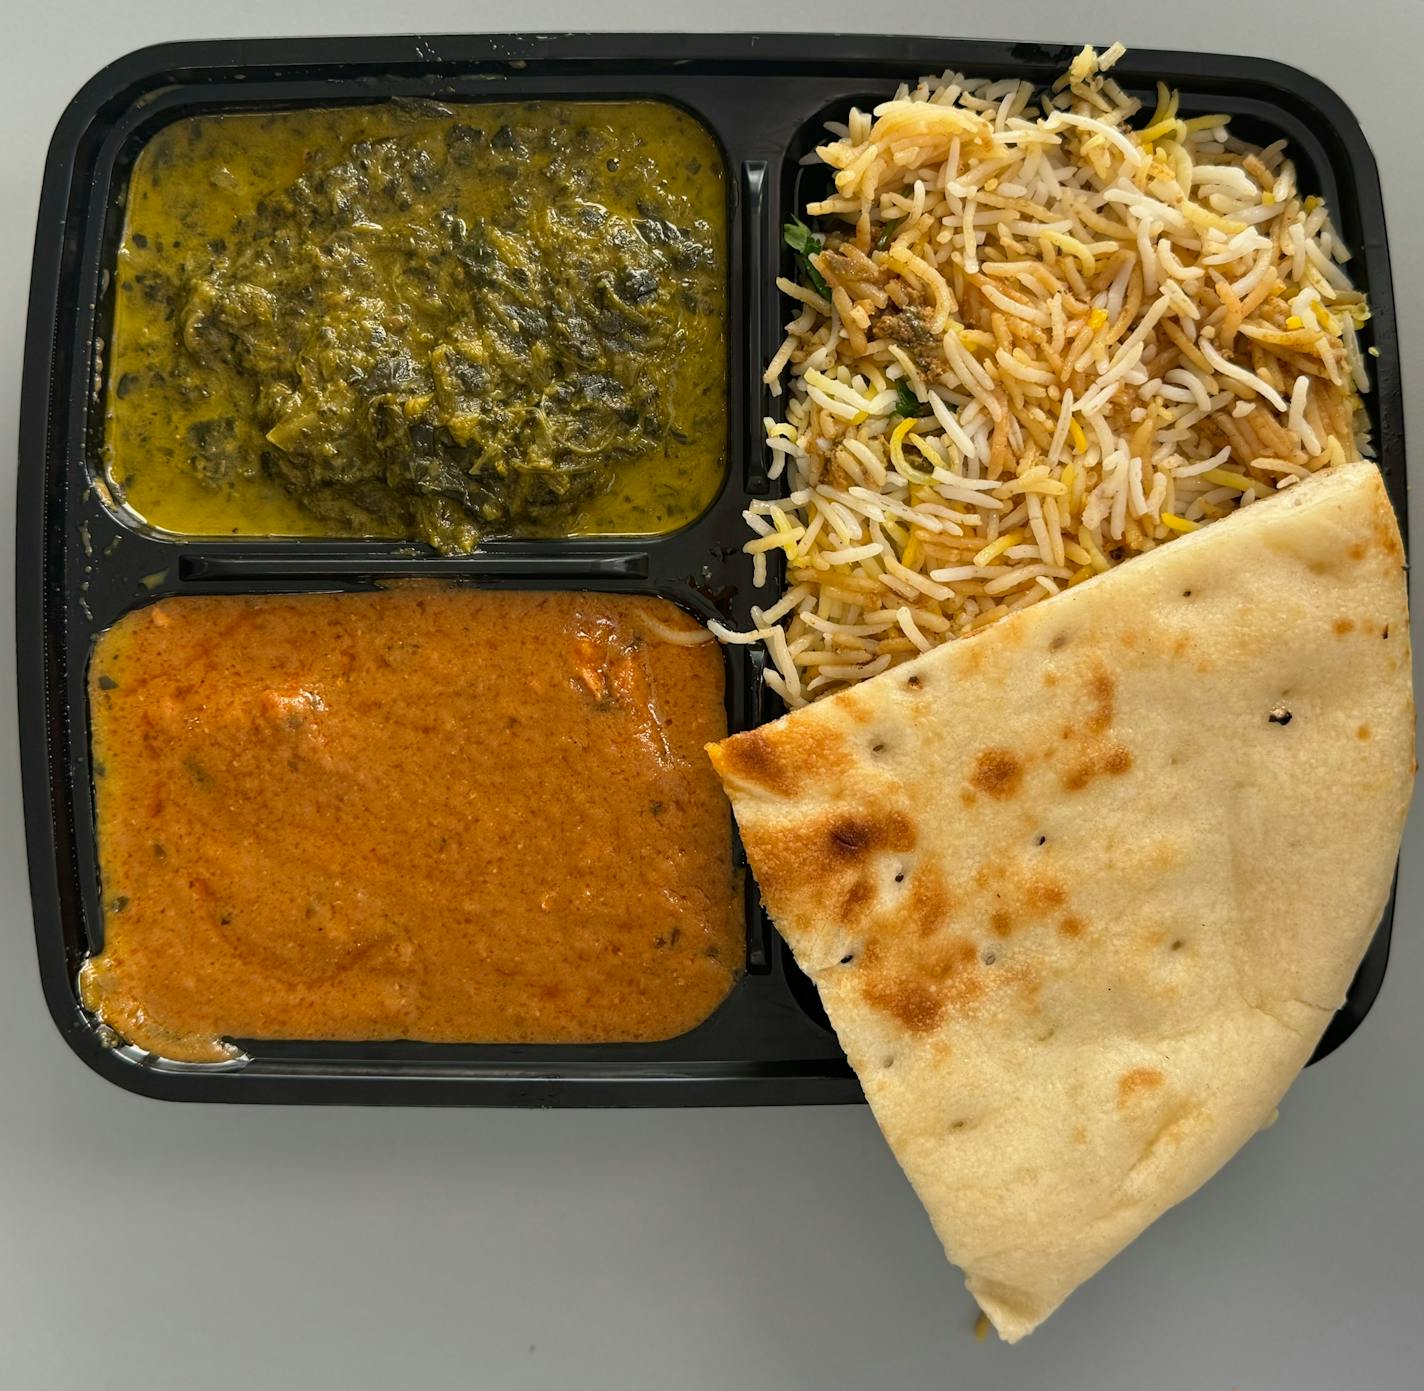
column 436, row 322
column 426, row 813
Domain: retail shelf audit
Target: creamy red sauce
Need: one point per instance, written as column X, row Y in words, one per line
column 427, row 813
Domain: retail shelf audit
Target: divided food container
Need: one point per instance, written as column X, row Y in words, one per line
column 82, row 563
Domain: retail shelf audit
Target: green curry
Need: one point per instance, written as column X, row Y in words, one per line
column 416, row 321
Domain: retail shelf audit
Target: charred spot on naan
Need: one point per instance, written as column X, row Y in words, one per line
column 998, row 772
column 780, row 758
column 919, row 963
column 850, row 704
column 1102, row 693
column 927, row 906
column 1136, row 1082
column 858, row 898
column 843, row 862
column 1019, row 898
column 853, row 836
column 1044, row 893
column 1099, row 755
column 1092, row 753
column 914, row 1003
column 919, row 985
column 1384, row 531
column 1112, row 760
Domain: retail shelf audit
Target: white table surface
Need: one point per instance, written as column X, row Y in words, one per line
column 147, row 1246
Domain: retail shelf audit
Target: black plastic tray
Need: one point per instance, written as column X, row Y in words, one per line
column 80, row 565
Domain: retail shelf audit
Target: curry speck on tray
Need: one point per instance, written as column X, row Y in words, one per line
column 431, row 813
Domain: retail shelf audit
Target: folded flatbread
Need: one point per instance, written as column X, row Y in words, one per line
column 1081, row 893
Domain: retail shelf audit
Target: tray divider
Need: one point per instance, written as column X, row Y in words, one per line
column 245, row 569
column 755, row 181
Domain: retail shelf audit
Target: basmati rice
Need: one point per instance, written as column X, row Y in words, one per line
column 1111, row 335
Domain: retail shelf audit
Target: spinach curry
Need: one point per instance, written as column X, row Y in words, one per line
column 417, row 321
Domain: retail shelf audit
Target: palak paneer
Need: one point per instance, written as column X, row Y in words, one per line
column 413, row 320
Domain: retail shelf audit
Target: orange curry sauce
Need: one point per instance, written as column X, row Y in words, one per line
column 426, row 813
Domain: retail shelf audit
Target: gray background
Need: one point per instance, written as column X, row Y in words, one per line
column 147, row 1245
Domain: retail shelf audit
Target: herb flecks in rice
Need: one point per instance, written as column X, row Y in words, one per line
column 1040, row 341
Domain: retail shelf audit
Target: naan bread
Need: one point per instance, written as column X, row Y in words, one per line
column 1081, row 893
